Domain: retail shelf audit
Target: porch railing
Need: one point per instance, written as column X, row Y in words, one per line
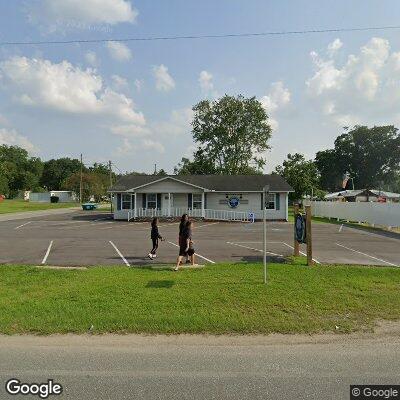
column 222, row 215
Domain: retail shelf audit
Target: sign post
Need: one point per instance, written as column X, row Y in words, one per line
column 265, row 193
column 309, row 236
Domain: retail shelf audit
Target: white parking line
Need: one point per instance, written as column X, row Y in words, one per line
column 120, row 254
column 253, row 248
column 341, row 227
column 367, row 255
column 47, row 253
column 26, row 223
column 197, row 254
column 304, row 254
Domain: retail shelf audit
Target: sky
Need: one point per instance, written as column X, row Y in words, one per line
column 130, row 102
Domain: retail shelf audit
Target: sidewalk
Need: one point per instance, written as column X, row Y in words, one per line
column 33, row 214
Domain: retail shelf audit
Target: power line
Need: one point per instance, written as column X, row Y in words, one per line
column 191, row 37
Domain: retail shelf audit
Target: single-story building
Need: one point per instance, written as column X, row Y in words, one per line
column 363, row 195
column 64, row 196
column 225, row 197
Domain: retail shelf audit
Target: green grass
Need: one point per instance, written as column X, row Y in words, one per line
column 13, row 206
column 218, row 299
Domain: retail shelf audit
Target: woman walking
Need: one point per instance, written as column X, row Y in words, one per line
column 182, row 227
column 186, row 245
column 155, row 236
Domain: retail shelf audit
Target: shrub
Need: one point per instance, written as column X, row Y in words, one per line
column 54, row 199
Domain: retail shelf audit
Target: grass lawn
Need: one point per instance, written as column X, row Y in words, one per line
column 12, row 206
column 218, row 299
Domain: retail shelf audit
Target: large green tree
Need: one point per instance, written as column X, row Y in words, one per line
column 370, row 155
column 56, row 171
column 18, row 170
column 301, row 174
column 231, row 135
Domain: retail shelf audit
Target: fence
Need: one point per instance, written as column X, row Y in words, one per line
column 374, row 213
column 224, row 215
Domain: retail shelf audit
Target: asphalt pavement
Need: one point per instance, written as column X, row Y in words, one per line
column 200, row 367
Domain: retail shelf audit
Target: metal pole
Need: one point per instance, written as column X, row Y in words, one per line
column 111, row 198
column 80, row 183
column 265, row 192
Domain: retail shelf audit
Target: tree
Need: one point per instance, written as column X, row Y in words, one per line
column 18, row 170
column 56, row 171
column 370, row 155
column 231, row 134
column 92, row 185
column 301, row 174
column 329, row 171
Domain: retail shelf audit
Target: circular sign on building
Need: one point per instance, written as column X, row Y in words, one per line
column 233, row 202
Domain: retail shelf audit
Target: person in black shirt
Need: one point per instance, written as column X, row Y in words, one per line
column 186, row 245
column 155, row 236
column 182, row 226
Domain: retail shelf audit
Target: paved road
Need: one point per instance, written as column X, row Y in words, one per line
column 198, row 367
column 35, row 214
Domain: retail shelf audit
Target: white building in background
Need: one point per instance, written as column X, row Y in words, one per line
column 64, row 196
column 225, row 197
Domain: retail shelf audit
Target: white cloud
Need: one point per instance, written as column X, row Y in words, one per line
column 119, row 51
column 164, row 81
column 130, row 131
column 153, row 145
column 334, row 47
column 78, row 14
column 178, row 123
column 65, row 88
column 119, row 82
column 364, row 90
column 138, row 84
column 278, row 98
column 11, row 137
column 206, row 83
column 91, row 58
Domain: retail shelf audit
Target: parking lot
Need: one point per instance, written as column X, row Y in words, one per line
column 85, row 238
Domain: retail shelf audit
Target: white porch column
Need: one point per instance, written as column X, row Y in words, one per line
column 135, row 205
column 203, row 213
column 169, row 204
column 287, row 207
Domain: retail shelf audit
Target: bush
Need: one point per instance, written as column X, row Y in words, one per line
column 54, row 199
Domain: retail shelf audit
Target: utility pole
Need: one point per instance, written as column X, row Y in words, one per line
column 155, row 169
column 111, row 198
column 80, row 184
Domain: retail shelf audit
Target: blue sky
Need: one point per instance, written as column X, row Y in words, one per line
column 131, row 103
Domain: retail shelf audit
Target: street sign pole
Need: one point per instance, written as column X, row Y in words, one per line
column 265, row 193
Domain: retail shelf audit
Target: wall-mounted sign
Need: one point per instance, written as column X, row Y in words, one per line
column 233, row 202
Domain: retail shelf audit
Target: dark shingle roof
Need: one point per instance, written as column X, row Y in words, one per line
column 240, row 183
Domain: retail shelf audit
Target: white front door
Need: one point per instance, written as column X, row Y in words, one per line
column 167, row 203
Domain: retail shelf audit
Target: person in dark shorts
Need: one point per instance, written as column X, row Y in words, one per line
column 155, row 237
column 186, row 245
column 182, row 226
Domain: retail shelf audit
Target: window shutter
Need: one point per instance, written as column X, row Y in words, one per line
column 119, row 195
column 277, row 201
column 205, row 200
column 159, row 201
column 144, row 200
column 190, row 197
column 262, row 205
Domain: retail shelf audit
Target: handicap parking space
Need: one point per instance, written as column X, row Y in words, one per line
column 85, row 239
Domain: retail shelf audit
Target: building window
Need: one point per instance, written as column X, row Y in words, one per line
column 151, row 200
column 126, row 202
column 196, row 201
column 270, row 204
